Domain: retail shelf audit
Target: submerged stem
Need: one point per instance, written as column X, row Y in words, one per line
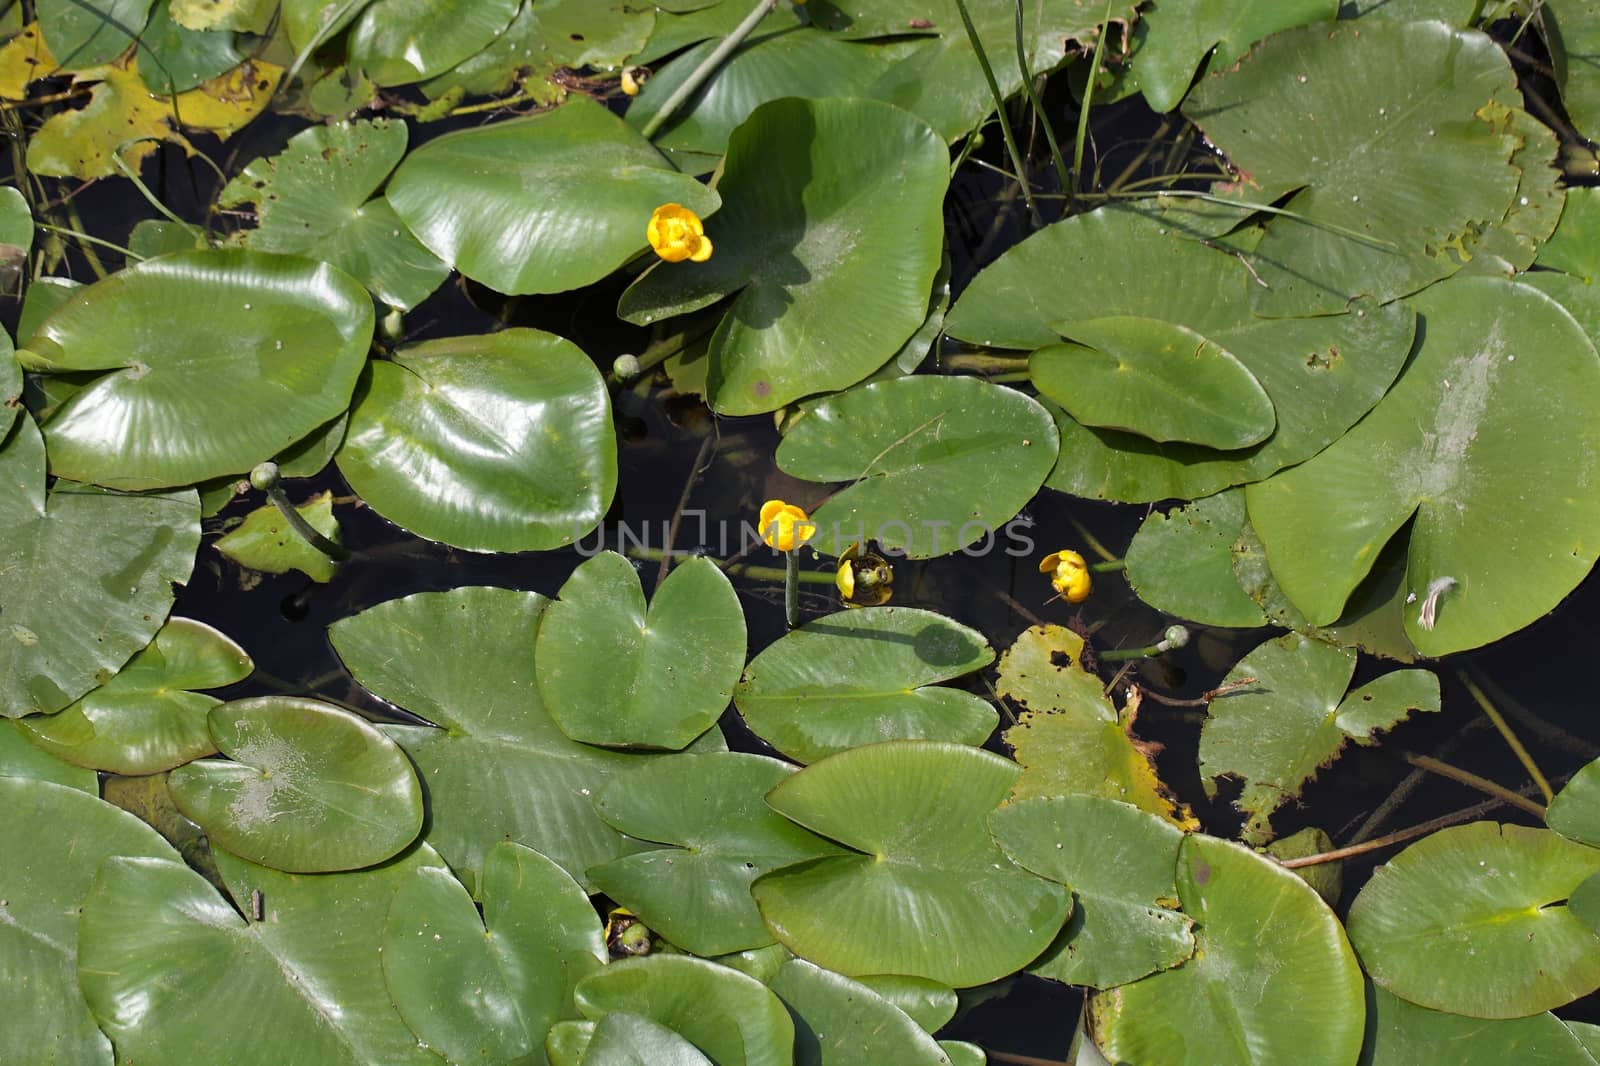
column 265, row 477
column 1512, row 742
column 1472, row 780
column 791, row 588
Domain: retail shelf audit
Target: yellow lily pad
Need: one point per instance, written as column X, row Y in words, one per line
column 24, row 60
column 124, row 118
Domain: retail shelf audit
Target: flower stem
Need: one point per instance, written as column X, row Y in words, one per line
column 791, row 588
column 265, row 477
column 1175, row 637
column 708, row 66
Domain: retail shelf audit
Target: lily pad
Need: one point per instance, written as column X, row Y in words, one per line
column 83, row 35
column 1575, row 812
column 840, row 1021
column 1277, row 732
column 623, row 1039
column 397, row 42
column 930, row 1004
column 1272, row 978
column 1177, row 38
column 1572, row 31
column 611, row 672
column 915, row 811
column 1321, row 374
column 265, row 541
column 1403, row 1034
column 499, row 768
column 244, row 16
column 1120, row 864
column 311, row 788
column 515, row 204
column 315, row 198
column 173, row 58
column 1458, row 434
column 54, row 838
column 1181, row 562
column 734, row 1019
column 832, row 264
column 1069, row 738
column 865, row 675
column 1414, row 103
column 497, row 442
column 1473, row 920
column 86, row 576
column 697, row 894
column 1156, row 379
column 935, row 463
column 20, row 757
column 168, row 965
column 488, row 989
column 192, row 340
column 151, row 716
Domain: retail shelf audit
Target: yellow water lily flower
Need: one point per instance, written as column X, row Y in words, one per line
column 1069, row 575
column 676, row 233
column 633, row 79
column 785, row 526
column 864, row 579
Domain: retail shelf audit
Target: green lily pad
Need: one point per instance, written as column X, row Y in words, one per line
column 310, row 22
column 192, row 340
column 266, row 542
column 82, row 35
column 697, row 894
column 11, row 386
column 311, row 788
column 1569, row 258
column 151, row 237
column 1514, row 243
column 173, row 58
column 515, row 204
column 1069, row 738
column 488, row 989
column 682, row 23
column 916, row 812
column 1473, row 920
column 1101, row 263
column 611, row 672
column 496, row 442
column 315, row 198
column 1120, row 864
column 840, row 1021
column 734, row 1019
column 832, row 264
column 1181, row 563
column 1276, row 733
column 244, row 16
column 16, row 237
column 1414, row 103
column 1272, row 978
column 20, row 757
column 397, row 42
column 1571, row 28
column 935, row 463
column 1327, row 878
column 1456, row 435
column 54, row 838
column 1156, row 379
column 151, row 716
column 86, row 576
column 623, row 1039
column 930, row 1004
column 1575, row 811
column 865, row 675
column 1403, row 1034
column 1177, row 38
column 499, row 768
column 168, row 966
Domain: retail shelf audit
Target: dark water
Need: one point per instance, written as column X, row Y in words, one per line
column 281, row 621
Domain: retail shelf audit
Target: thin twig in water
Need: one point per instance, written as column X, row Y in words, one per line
column 683, row 501
column 1466, row 814
column 1493, row 714
column 1472, row 780
column 1200, row 700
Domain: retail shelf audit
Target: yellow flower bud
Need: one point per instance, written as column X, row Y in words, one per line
column 1069, row 575
column 785, row 526
column 864, row 579
column 676, row 233
column 632, row 82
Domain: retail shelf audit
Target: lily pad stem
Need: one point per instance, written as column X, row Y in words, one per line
column 265, row 477
column 1400, row 836
column 1175, row 637
column 707, row 67
column 1472, row 780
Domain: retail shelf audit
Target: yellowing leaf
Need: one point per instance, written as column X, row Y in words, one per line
column 1070, row 740
column 123, row 118
column 23, row 60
